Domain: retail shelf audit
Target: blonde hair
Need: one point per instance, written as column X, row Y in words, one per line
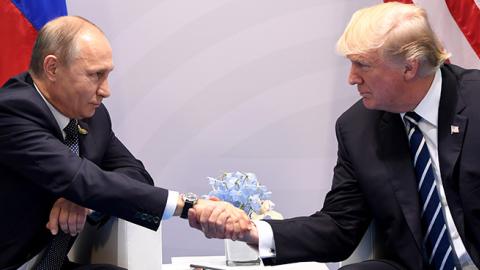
column 57, row 37
column 395, row 31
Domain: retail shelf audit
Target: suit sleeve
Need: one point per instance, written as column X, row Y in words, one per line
column 30, row 148
column 332, row 233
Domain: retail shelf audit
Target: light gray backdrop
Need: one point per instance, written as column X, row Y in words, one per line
column 206, row 86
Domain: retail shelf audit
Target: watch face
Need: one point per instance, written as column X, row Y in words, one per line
column 191, row 197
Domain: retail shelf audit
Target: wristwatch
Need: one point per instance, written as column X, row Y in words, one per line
column 189, row 199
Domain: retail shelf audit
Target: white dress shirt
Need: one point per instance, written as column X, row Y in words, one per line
column 428, row 110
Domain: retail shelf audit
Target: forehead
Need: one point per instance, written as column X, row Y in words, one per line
column 93, row 48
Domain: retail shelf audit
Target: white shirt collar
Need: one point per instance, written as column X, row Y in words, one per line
column 428, row 107
column 61, row 119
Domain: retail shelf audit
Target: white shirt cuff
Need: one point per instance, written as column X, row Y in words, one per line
column 172, row 200
column 266, row 243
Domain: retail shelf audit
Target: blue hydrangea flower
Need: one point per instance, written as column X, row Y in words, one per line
column 240, row 189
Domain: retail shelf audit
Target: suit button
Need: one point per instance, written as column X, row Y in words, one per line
column 156, row 220
column 144, row 216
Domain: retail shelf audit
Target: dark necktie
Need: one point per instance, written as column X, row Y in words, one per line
column 57, row 250
column 436, row 236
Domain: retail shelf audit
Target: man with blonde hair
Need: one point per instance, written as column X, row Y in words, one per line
column 408, row 155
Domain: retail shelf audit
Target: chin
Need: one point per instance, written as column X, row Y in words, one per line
column 369, row 104
column 88, row 114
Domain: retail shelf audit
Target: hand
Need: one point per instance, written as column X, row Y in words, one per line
column 70, row 216
column 219, row 219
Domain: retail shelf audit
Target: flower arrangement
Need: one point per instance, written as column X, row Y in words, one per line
column 245, row 192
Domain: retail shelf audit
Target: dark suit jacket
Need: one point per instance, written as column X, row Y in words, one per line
column 36, row 168
column 374, row 179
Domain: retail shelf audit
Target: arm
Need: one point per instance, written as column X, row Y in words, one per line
column 32, row 148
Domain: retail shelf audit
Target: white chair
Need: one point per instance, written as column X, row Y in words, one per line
column 120, row 243
column 369, row 248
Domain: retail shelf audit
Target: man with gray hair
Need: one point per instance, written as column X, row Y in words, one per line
column 408, row 155
column 60, row 157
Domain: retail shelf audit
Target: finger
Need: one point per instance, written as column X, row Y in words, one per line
column 207, row 211
column 63, row 218
column 229, row 230
column 72, row 221
column 236, row 229
column 192, row 219
column 212, row 220
column 221, row 223
column 232, row 221
column 82, row 219
column 52, row 224
column 245, row 223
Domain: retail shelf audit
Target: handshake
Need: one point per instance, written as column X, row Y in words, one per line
column 218, row 219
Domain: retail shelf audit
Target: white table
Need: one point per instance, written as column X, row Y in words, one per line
column 183, row 263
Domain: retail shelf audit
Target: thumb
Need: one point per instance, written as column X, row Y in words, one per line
column 192, row 219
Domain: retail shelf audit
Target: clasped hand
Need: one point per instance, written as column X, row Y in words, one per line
column 218, row 219
column 70, row 217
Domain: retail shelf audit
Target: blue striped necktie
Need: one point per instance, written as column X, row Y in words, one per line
column 436, row 237
column 57, row 250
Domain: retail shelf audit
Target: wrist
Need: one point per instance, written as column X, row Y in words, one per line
column 188, row 200
column 180, row 205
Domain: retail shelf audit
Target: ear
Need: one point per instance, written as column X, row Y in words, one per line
column 50, row 66
column 411, row 68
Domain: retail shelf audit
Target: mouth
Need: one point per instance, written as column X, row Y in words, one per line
column 363, row 93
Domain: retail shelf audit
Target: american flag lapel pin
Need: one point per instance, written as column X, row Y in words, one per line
column 454, row 129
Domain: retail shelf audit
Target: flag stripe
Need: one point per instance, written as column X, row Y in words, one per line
column 39, row 12
column 467, row 15
column 20, row 21
column 18, row 35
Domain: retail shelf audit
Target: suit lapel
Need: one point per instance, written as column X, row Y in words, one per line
column 451, row 133
column 394, row 144
column 83, row 139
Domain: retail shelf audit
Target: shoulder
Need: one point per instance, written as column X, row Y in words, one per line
column 19, row 94
column 460, row 74
column 466, row 82
column 464, row 79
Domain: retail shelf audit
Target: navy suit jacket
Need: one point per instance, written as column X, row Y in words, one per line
column 36, row 168
column 374, row 180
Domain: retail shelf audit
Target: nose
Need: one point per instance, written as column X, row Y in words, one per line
column 104, row 89
column 353, row 77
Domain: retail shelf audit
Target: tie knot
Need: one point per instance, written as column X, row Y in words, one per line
column 412, row 117
column 71, row 129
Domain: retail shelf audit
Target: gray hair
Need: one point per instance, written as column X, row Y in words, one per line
column 57, row 37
